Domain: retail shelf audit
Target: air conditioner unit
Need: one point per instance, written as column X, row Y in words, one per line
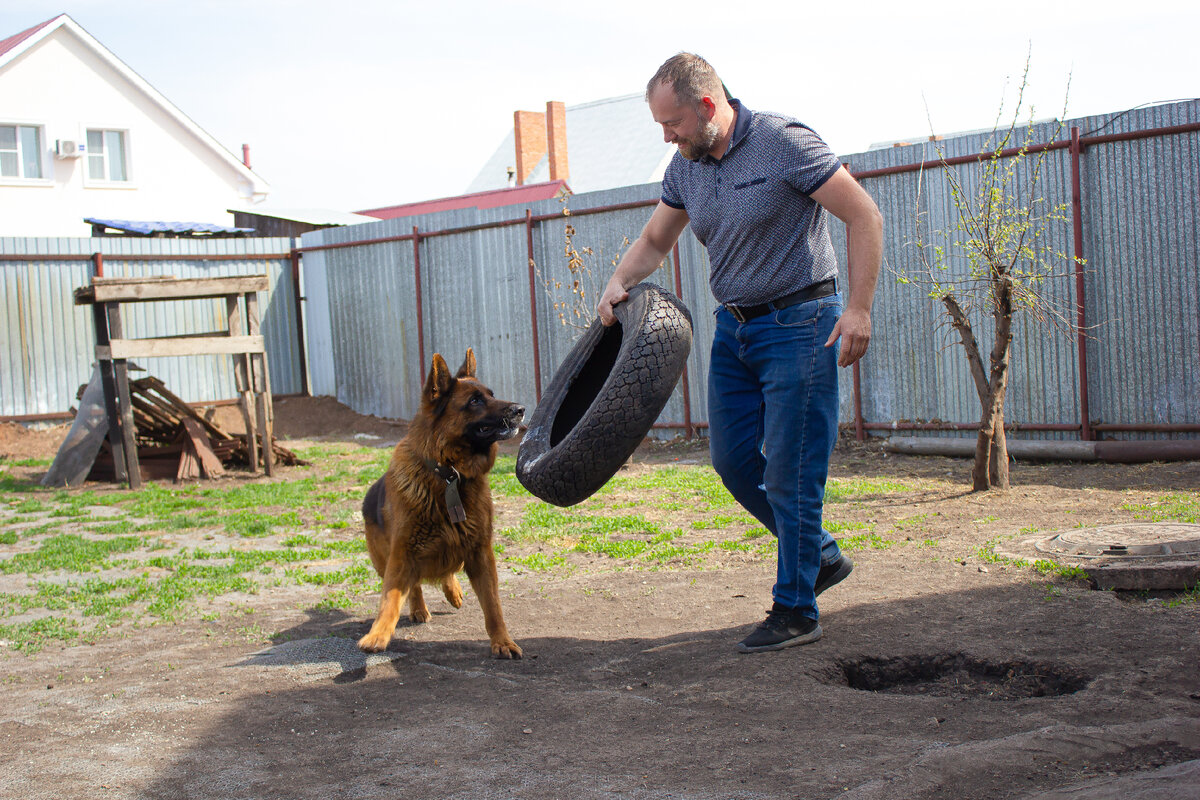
column 69, row 148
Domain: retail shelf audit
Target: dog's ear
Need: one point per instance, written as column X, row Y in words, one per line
column 439, row 383
column 467, row 370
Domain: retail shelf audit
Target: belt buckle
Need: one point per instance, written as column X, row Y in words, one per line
column 736, row 312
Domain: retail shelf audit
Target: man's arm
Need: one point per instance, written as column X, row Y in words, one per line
column 845, row 199
column 643, row 257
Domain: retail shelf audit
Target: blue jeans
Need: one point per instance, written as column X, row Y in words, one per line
column 772, row 410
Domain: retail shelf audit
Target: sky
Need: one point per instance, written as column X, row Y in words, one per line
column 364, row 103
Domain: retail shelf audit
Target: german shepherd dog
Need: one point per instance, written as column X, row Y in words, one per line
column 430, row 515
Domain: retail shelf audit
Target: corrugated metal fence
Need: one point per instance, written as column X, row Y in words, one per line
column 47, row 342
column 381, row 298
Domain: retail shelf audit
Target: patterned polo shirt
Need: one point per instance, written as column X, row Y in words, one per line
column 751, row 208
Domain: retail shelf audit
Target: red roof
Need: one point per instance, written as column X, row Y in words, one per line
column 16, row 39
column 511, row 195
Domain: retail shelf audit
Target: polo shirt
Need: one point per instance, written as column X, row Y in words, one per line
column 766, row 237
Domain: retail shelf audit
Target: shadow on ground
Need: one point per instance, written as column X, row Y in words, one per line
column 981, row 694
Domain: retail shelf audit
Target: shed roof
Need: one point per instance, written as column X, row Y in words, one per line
column 492, row 198
column 159, row 227
column 309, row 216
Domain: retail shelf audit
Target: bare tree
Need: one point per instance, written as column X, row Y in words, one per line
column 993, row 260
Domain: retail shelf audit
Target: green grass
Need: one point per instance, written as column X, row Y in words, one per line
column 987, row 553
column 845, row 490
column 1182, row 507
column 31, row 637
column 70, row 552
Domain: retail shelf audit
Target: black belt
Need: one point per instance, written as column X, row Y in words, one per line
column 817, row 290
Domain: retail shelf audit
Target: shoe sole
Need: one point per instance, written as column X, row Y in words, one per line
column 845, row 569
column 805, row 638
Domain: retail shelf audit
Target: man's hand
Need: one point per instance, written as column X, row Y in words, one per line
column 614, row 293
column 854, row 328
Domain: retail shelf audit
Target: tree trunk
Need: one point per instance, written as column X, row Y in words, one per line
column 1001, row 353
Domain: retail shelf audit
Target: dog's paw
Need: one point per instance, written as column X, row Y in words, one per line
column 506, row 649
column 420, row 615
column 374, row 642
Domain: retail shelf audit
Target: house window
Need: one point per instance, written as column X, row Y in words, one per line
column 20, row 151
column 107, row 156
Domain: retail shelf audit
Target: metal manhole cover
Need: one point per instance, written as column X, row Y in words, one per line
column 1136, row 540
column 1131, row 556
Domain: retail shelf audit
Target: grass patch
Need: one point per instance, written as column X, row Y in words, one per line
column 845, row 490
column 31, row 637
column 70, row 552
column 1183, row 507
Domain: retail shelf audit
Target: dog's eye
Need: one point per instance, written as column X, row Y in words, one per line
column 475, row 400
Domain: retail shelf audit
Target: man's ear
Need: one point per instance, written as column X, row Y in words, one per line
column 439, row 383
column 708, row 108
column 467, row 370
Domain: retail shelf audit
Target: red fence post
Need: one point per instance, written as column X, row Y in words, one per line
column 1085, row 431
column 416, row 240
column 687, row 393
column 533, row 320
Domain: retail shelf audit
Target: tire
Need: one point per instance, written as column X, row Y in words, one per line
column 605, row 396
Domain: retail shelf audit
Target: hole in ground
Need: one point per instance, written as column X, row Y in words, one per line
column 957, row 674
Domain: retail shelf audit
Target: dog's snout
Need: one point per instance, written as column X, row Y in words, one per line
column 516, row 413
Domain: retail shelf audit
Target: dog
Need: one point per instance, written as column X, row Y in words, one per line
column 430, row 515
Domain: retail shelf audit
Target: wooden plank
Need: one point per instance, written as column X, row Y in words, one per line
column 210, row 465
column 178, row 404
column 128, row 427
column 180, row 346
column 136, row 291
column 189, row 464
column 108, row 381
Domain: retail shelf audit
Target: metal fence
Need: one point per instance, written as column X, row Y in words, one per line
column 47, row 343
column 443, row 282
column 381, row 298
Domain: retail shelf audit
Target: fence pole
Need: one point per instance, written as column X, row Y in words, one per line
column 299, row 301
column 416, row 240
column 687, row 393
column 1085, row 431
column 533, row 320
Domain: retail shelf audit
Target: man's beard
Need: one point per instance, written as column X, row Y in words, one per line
column 706, row 138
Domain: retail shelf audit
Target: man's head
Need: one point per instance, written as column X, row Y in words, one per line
column 685, row 96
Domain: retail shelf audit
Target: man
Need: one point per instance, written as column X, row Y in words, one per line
column 757, row 189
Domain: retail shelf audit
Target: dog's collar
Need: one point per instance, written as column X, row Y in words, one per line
column 454, row 504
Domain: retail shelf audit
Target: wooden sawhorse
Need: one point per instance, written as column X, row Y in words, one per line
column 242, row 339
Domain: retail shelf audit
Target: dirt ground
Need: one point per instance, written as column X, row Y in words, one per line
column 941, row 674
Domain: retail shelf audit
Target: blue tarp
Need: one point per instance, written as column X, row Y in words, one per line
column 149, row 228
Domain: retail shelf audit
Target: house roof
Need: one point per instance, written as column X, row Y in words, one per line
column 14, row 40
column 610, row 143
column 17, row 45
column 492, row 198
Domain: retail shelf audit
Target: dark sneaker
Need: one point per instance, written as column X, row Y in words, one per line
column 783, row 627
column 832, row 574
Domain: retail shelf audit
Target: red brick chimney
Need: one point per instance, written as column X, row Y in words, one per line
column 556, row 137
column 529, row 129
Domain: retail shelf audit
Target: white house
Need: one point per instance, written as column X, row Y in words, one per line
column 83, row 135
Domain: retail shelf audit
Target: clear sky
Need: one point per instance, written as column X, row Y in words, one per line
column 361, row 103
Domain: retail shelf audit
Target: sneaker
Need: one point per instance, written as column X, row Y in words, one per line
column 783, row 627
column 831, row 574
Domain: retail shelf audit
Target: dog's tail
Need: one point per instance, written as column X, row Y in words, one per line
column 372, row 507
